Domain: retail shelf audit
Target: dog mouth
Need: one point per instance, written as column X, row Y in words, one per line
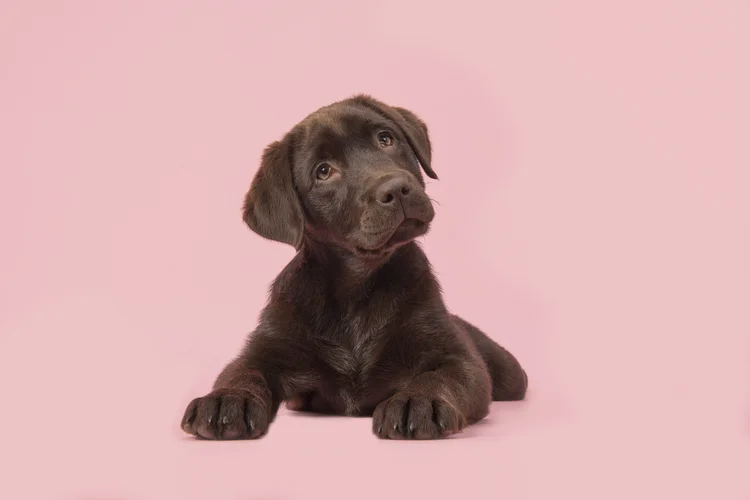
column 406, row 231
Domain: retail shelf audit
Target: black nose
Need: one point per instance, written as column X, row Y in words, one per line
column 392, row 189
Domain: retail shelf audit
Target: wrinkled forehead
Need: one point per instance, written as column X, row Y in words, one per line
column 330, row 132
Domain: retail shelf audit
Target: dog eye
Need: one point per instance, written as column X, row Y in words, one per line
column 323, row 171
column 385, row 139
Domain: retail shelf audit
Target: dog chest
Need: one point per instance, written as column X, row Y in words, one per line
column 349, row 342
column 350, row 361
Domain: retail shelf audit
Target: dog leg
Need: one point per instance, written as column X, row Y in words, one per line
column 241, row 406
column 436, row 403
column 509, row 380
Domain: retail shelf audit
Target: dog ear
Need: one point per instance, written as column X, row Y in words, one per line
column 272, row 208
column 419, row 139
column 411, row 125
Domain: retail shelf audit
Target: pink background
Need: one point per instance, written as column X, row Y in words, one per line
column 608, row 141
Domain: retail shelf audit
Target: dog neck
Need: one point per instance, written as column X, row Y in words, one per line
column 349, row 276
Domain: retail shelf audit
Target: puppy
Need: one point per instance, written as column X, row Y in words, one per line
column 355, row 323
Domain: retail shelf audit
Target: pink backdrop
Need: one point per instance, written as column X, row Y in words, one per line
column 608, row 141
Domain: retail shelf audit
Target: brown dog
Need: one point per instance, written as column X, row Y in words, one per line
column 355, row 323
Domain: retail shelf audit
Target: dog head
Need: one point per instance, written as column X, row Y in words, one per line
column 347, row 176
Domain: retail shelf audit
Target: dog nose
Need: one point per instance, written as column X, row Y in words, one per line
column 392, row 189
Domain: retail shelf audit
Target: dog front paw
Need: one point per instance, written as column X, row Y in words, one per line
column 227, row 414
column 416, row 416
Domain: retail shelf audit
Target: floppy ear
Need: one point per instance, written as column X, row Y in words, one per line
column 272, row 208
column 411, row 125
column 419, row 139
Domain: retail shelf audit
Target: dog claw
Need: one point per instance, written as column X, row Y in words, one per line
column 225, row 420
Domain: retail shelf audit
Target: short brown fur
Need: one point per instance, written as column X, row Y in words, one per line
column 355, row 323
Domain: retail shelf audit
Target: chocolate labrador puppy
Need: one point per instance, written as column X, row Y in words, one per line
column 355, row 323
